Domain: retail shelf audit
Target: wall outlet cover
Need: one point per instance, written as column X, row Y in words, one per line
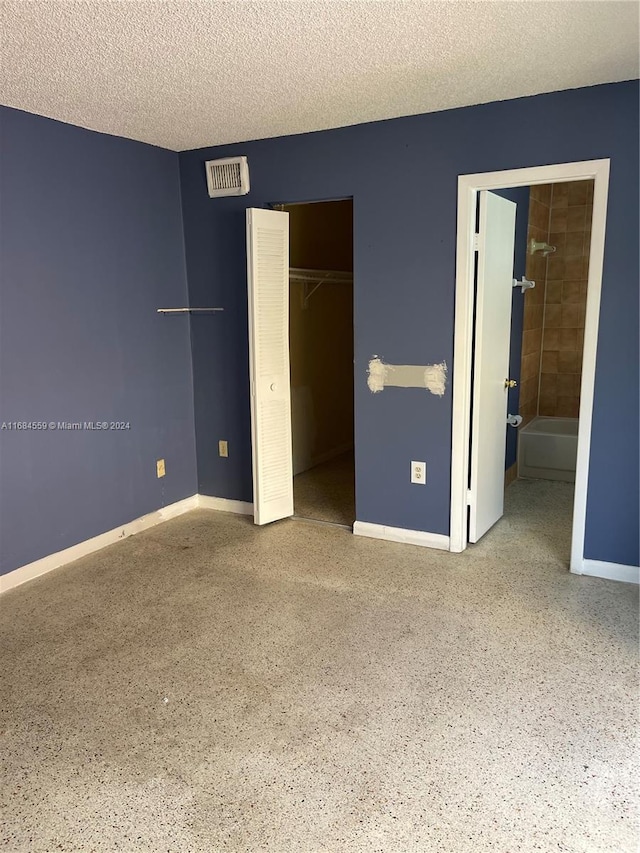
column 223, row 449
column 419, row 473
column 160, row 470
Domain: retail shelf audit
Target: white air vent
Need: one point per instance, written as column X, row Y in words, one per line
column 229, row 176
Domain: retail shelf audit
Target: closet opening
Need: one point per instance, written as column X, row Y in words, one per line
column 321, row 359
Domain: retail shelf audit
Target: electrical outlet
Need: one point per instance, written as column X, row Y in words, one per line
column 223, row 449
column 419, row 473
column 160, row 472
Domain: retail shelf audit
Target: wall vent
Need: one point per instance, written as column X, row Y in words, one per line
column 229, row 176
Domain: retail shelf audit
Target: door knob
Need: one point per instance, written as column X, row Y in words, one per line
column 273, row 386
column 510, row 383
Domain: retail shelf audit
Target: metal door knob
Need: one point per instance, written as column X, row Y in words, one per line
column 510, row 383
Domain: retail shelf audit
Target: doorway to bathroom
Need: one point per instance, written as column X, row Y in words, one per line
column 528, row 356
column 551, row 258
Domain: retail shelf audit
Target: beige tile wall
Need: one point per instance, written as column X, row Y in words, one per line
column 534, row 303
column 554, row 311
column 565, row 299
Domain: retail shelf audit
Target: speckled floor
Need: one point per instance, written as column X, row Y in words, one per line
column 211, row 686
column 327, row 492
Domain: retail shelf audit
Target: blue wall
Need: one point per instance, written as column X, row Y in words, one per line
column 519, row 195
column 402, row 175
column 91, row 245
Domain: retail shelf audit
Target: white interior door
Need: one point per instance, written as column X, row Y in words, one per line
column 268, row 284
column 491, row 362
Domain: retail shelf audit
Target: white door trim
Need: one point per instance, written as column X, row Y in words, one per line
column 468, row 188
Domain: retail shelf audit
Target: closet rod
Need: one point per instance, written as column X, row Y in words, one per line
column 324, row 276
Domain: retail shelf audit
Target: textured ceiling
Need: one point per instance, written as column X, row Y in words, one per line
column 189, row 73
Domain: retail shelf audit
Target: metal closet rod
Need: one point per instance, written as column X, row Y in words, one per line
column 186, row 310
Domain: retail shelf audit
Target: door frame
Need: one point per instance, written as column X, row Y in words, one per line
column 468, row 188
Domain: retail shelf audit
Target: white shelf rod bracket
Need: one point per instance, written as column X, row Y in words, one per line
column 525, row 284
column 187, row 310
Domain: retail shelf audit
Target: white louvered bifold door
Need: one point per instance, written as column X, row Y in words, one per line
column 268, row 283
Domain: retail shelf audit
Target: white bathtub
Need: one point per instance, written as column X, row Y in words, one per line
column 547, row 449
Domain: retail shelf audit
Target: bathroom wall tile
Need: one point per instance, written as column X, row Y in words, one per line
column 531, row 341
column 550, row 361
column 548, row 383
column 574, row 291
column 538, row 214
column 568, row 339
column 576, row 218
column 574, row 269
column 553, row 293
column 579, row 347
column 529, row 268
column 537, row 232
column 547, row 405
column 534, row 192
column 572, row 316
column 588, row 217
column 538, row 268
column 568, row 385
column 567, row 407
column 530, row 366
column 527, row 316
column 569, row 362
column 533, row 316
column 529, row 391
column 558, row 221
column 553, row 316
column 555, row 267
column 551, row 339
column 538, row 312
column 558, row 239
column 542, row 193
column 560, row 195
column 578, row 192
column 574, row 246
column 535, row 295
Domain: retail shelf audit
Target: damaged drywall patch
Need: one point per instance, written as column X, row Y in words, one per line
column 377, row 373
column 433, row 377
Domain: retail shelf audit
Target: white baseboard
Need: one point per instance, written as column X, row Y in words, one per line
column 225, row 505
column 82, row 549
column 611, row 571
column 400, row 534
